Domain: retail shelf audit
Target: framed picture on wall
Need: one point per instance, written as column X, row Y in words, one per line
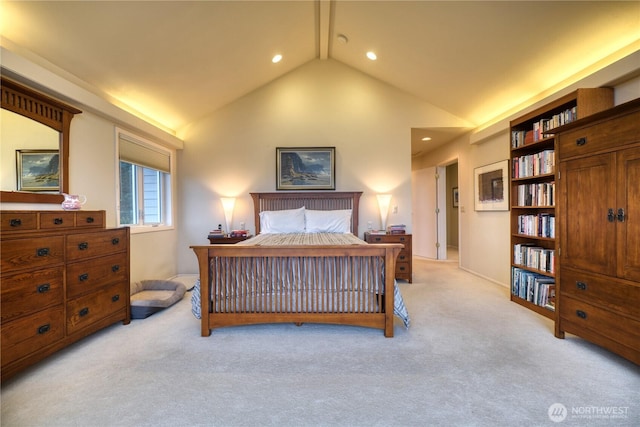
column 305, row 168
column 455, row 197
column 38, row 170
column 491, row 187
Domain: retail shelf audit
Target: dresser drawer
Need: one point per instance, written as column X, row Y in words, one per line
column 603, row 322
column 31, row 253
column 403, row 270
column 86, row 245
column 18, row 221
column 57, row 220
column 605, row 291
column 87, row 276
column 90, row 219
column 26, row 293
column 590, row 139
column 25, row 335
column 83, row 311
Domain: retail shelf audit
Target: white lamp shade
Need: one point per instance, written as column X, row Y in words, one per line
column 384, row 200
column 227, row 204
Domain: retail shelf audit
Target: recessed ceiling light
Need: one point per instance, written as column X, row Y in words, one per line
column 277, row 58
column 372, row 56
column 426, row 138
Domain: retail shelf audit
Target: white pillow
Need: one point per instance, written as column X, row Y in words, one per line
column 285, row 221
column 336, row 221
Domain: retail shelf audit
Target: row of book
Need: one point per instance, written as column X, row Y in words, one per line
column 535, row 288
column 538, row 194
column 397, row 229
column 541, row 225
column 520, row 138
column 529, row 255
column 533, row 164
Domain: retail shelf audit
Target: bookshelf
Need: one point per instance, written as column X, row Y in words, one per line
column 533, row 195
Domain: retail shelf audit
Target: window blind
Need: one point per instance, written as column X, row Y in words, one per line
column 144, row 155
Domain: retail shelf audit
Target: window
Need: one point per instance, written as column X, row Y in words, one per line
column 144, row 182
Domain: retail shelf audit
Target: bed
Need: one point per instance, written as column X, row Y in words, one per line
column 284, row 274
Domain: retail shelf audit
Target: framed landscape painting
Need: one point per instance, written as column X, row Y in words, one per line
column 305, row 168
column 492, row 187
column 38, row 170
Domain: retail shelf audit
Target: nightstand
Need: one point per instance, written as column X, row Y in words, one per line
column 227, row 240
column 403, row 262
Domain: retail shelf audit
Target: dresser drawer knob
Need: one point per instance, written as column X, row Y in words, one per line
column 581, row 285
column 58, row 221
column 45, row 287
column 581, row 314
column 90, row 220
column 581, row 141
column 42, row 251
column 377, row 239
column 44, row 329
column 15, row 222
column 83, row 277
column 401, row 268
column 115, row 241
column 83, row 246
column 115, row 268
column 115, row 298
column 402, row 239
column 83, row 312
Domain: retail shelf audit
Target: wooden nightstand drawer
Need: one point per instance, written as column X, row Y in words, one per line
column 90, row 219
column 57, row 220
column 84, row 311
column 403, row 262
column 26, row 293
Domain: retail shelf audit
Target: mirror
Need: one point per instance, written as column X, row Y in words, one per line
column 35, row 137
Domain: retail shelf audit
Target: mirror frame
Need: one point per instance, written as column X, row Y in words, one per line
column 50, row 112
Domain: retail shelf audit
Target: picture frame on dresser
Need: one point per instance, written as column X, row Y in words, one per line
column 491, row 189
column 305, row 168
column 38, row 170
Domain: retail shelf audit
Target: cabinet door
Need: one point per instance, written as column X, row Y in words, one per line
column 628, row 167
column 587, row 233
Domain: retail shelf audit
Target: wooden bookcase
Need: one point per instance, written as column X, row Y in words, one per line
column 533, row 195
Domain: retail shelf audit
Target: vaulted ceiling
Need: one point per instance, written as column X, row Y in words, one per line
column 176, row 61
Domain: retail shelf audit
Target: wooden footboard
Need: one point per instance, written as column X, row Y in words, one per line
column 270, row 293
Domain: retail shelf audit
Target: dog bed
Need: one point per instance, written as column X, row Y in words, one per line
column 150, row 296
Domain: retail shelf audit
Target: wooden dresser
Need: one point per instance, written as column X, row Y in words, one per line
column 64, row 276
column 599, row 229
column 403, row 263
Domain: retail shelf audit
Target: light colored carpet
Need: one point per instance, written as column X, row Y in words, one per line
column 470, row 358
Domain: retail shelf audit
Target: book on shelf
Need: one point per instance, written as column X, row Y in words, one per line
column 377, row 232
column 533, row 287
column 239, row 233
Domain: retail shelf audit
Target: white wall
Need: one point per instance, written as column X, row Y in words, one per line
column 322, row 103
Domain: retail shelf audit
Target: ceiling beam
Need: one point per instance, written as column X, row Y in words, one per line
column 324, row 25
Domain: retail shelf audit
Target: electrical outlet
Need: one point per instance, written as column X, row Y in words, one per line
column 395, row 209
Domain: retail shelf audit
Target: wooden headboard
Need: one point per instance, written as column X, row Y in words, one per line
column 323, row 201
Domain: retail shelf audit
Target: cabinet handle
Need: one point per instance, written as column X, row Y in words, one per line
column 115, row 241
column 83, row 312
column 115, row 268
column 42, row 251
column 90, row 220
column 44, row 329
column 83, row 246
column 621, row 215
column 401, row 258
column 402, row 239
column 83, row 277
column 611, row 217
column 581, row 141
column 581, row 314
column 58, row 221
column 115, row 298
column 45, row 287
column 377, row 239
column 15, row 222
column 581, row 285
